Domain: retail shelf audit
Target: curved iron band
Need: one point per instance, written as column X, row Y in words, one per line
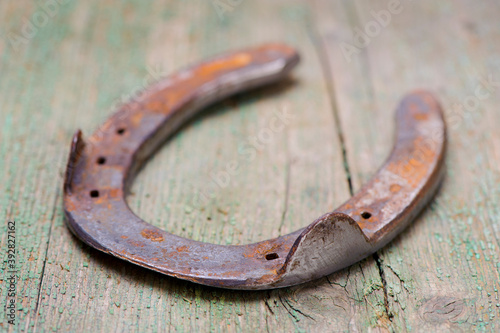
column 100, row 168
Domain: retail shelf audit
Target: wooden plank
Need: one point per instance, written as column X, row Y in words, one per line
column 90, row 56
column 442, row 274
column 29, row 171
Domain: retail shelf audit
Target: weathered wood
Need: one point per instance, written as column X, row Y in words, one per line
column 441, row 274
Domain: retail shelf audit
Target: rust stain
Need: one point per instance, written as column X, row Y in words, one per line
column 136, row 118
column 415, row 167
column 183, row 248
column 157, row 106
column 152, row 235
column 69, row 205
column 395, row 188
column 421, row 116
column 238, row 60
column 115, row 193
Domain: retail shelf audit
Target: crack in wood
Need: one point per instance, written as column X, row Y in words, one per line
column 42, row 274
column 388, row 312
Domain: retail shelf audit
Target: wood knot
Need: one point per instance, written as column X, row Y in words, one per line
column 442, row 308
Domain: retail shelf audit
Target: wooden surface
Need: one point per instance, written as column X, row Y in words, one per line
column 441, row 274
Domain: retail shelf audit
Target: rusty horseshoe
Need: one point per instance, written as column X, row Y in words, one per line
column 101, row 168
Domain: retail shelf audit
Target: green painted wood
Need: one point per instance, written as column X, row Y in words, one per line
column 441, row 274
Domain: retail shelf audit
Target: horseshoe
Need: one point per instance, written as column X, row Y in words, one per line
column 101, row 168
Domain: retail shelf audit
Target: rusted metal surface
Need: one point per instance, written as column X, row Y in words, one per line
column 101, row 168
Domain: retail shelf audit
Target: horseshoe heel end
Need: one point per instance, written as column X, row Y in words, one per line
column 75, row 159
column 75, row 152
column 411, row 175
column 385, row 205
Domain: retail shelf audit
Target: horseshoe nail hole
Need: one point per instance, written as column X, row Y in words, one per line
column 272, row 256
column 101, row 160
column 94, row 193
column 120, row 131
column 366, row 215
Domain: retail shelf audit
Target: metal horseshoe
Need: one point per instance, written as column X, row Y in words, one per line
column 101, row 168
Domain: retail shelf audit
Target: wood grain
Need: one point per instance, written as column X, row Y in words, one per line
column 442, row 274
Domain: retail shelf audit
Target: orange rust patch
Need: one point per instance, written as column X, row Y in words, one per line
column 421, row 116
column 136, row 118
column 395, row 188
column 261, row 249
column 238, row 60
column 100, row 200
column 156, row 106
column 183, row 248
column 152, row 235
column 115, row 192
column 124, row 237
column 69, row 205
column 269, row 278
column 414, row 169
column 166, row 101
